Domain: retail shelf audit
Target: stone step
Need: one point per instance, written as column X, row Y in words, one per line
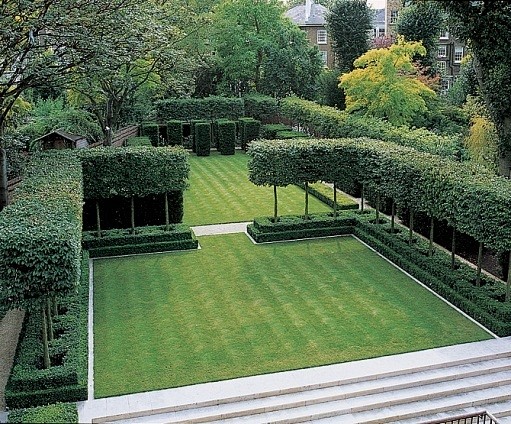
column 384, row 391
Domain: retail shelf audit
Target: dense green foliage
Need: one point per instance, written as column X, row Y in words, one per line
column 28, row 384
column 324, row 121
column 174, row 132
column 133, row 171
column 40, row 232
column 138, row 141
column 349, row 22
column 226, row 137
column 146, row 240
column 213, row 107
column 474, row 199
column 151, row 130
column 202, row 137
column 58, row 413
column 422, row 21
column 249, row 129
column 260, row 107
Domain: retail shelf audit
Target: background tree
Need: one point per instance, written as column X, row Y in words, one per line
column 385, row 84
column 486, row 26
column 422, row 21
column 348, row 23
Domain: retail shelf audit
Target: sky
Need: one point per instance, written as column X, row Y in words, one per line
column 376, row 4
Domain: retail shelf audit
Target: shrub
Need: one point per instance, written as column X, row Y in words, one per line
column 138, row 141
column 202, row 136
column 226, row 137
column 249, row 130
column 260, row 107
column 28, row 385
column 65, row 413
column 175, row 133
column 269, row 131
column 213, row 107
column 287, row 135
column 152, row 131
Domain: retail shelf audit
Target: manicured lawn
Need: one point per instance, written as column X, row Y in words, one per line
column 221, row 192
column 235, row 309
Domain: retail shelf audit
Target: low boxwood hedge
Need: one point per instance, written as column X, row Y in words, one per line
column 58, row 413
column 146, row 240
column 484, row 304
column 29, row 385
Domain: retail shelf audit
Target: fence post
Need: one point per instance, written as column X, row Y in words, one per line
column 3, row 179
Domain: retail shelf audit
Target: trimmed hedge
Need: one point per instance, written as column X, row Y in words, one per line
column 226, row 137
column 269, row 131
column 260, row 107
column 138, row 141
column 328, row 122
column 286, row 135
column 152, row 131
column 133, row 171
column 40, row 232
column 326, row 195
column 249, row 129
column 209, row 108
column 58, row 413
column 147, row 240
column 28, row 385
column 484, row 304
column 202, row 137
column 174, row 133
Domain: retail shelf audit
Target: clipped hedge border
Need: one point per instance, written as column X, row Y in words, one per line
column 209, row 108
column 30, row 386
column 58, row 413
column 226, row 136
column 202, row 137
column 146, row 240
column 329, row 200
column 455, row 286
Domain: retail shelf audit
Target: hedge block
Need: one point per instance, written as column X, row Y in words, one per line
column 226, row 137
column 175, row 133
column 202, row 136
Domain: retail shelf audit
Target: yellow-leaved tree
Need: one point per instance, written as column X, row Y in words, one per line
column 385, row 84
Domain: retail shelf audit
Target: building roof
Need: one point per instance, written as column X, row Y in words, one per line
column 63, row 134
column 308, row 14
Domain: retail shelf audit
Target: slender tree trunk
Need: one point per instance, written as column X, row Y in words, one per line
column 393, row 217
column 167, row 219
column 98, row 219
column 132, row 214
column 55, row 307
column 46, row 350
column 453, row 248
column 306, row 212
column 377, row 208
column 4, row 194
column 431, row 235
column 479, row 264
column 508, row 281
column 410, row 228
column 49, row 319
column 335, row 201
column 275, row 204
column 362, row 198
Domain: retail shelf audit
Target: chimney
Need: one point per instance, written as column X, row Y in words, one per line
column 308, row 7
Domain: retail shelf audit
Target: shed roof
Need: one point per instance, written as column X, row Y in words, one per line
column 298, row 14
column 64, row 134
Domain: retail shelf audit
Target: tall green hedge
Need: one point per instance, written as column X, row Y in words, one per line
column 151, row 130
column 209, row 108
column 472, row 198
column 175, row 132
column 260, row 107
column 328, row 122
column 249, row 129
column 133, row 171
column 202, row 136
column 226, row 137
column 40, row 232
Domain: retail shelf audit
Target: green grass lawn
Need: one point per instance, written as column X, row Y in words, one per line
column 236, row 309
column 221, row 192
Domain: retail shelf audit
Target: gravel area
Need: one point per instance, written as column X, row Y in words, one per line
column 10, row 327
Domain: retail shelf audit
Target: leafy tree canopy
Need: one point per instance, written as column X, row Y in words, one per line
column 384, row 84
column 349, row 22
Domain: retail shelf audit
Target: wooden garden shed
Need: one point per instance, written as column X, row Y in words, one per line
column 60, row 139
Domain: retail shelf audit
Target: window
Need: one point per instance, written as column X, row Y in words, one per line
column 324, row 57
column 381, row 32
column 442, row 51
column 321, row 36
column 445, row 84
column 442, row 66
column 458, row 54
column 393, row 16
column 444, row 35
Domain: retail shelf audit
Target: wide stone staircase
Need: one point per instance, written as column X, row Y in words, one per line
column 417, row 387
